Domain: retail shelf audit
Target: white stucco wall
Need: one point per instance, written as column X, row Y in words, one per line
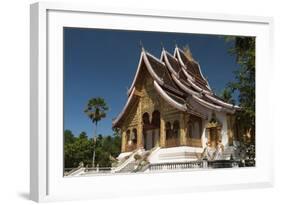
column 175, row 154
column 221, row 117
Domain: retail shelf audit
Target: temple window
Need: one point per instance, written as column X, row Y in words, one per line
column 172, row 134
column 128, row 136
column 145, row 118
column 190, row 129
column 169, row 134
column 156, row 119
column 134, row 136
column 196, row 130
column 176, row 127
column 194, row 127
column 168, row 130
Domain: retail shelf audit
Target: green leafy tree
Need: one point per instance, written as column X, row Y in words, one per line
column 244, row 50
column 106, row 148
column 83, row 135
column 116, row 148
column 79, row 150
column 226, row 95
column 96, row 110
column 68, row 137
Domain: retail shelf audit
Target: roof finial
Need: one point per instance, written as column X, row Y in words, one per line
column 176, row 45
column 162, row 45
column 141, row 45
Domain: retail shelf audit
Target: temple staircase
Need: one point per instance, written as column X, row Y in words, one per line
column 133, row 165
column 228, row 151
column 126, row 165
column 130, row 167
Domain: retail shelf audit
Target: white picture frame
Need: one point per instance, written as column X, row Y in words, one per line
column 46, row 179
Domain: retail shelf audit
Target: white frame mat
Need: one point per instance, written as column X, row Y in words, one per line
column 46, row 155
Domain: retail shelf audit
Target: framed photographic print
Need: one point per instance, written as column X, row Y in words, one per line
column 147, row 101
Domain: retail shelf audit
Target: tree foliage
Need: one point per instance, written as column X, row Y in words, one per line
column 96, row 109
column 80, row 149
column 244, row 50
column 77, row 150
column 226, row 95
column 68, row 137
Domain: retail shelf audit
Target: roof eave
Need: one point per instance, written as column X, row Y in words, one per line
column 137, row 73
column 168, row 99
column 121, row 114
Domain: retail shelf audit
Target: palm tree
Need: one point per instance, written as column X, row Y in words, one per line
column 96, row 110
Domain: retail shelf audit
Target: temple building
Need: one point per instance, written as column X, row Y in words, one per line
column 172, row 112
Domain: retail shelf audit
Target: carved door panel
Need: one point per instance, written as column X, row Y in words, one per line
column 213, row 136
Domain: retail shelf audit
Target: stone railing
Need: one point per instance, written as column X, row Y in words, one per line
column 98, row 169
column 194, row 165
column 223, row 163
column 71, row 171
column 176, row 165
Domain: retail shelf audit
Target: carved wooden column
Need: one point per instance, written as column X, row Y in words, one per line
column 140, row 125
column 208, row 141
column 139, row 135
column 230, row 125
column 183, row 123
column 162, row 132
column 123, row 136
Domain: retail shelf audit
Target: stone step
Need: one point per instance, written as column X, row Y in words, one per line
column 130, row 167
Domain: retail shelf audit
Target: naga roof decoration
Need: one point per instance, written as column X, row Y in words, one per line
column 177, row 79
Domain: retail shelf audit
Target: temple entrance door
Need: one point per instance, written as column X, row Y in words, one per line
column 149, row 140
column 213, row 138
column 151, row 130
column 214, row 130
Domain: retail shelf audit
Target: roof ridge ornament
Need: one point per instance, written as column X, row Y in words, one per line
column 176, row 45
column 162, row 45
column 141, row 45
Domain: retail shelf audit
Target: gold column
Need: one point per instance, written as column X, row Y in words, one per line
column 208, row 135
column 230, row 124
column 123, row 135
column 139, row 135
column 162, row 132
column 219, row 136
column 183, row 129
column 139, row 126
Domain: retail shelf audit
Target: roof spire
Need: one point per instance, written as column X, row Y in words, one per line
column 141, row 45
column 176, row 45
column 162, row 45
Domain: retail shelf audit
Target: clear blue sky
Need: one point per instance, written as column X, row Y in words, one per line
column 102, row 63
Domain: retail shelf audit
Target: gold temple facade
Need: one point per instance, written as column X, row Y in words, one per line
column 170, row 104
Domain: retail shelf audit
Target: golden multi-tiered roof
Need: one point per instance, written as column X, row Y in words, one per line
column 178, row 80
